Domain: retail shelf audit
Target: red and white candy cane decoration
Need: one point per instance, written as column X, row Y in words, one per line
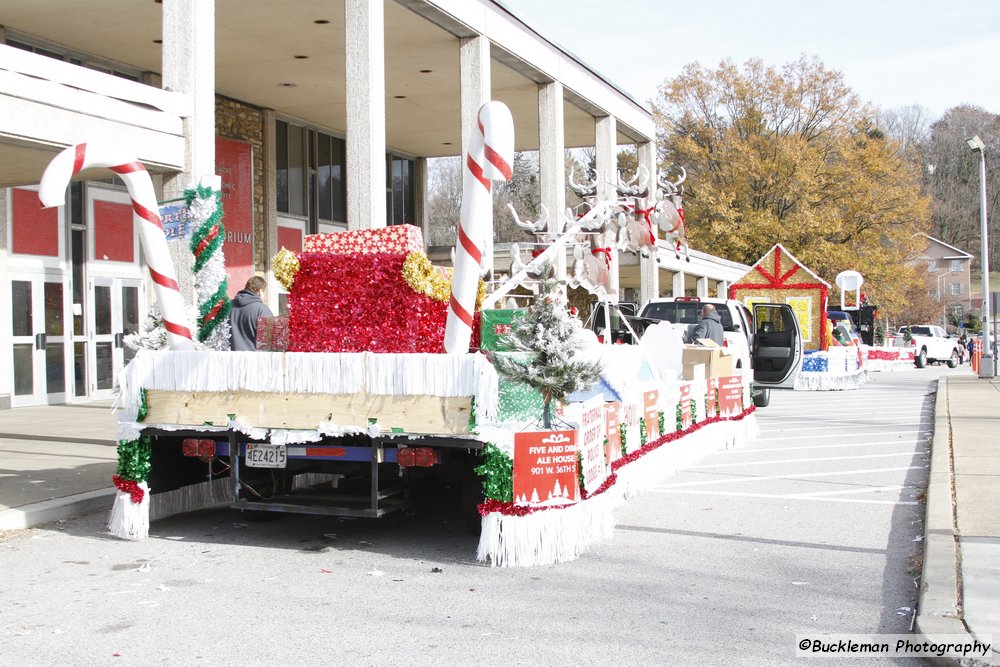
column 491, row 152
column 145, row 214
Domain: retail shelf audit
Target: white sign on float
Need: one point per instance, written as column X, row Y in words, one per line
column 591, row 438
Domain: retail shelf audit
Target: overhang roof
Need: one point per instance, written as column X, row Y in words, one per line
column 258, row 41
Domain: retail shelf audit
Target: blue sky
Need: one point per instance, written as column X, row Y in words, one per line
column 892, row 52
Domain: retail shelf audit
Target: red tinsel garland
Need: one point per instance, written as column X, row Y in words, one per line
column 129, row 486
column 510, row 509
column 361, row 303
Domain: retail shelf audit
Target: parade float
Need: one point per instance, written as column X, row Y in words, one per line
column 830, row 362
column 388, row 370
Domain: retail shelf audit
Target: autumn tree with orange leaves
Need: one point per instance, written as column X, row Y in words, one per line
column 791, row 155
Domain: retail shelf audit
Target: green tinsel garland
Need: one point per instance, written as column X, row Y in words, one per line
column 133, row 459
column 642, row 431
column 579, row 468
column 718, row 408
column 206, row 242
column 211, row 230
column 743, row 397
column 143, row 410
column 623, row 430
column 498, row 473
column 680, row 420
column 472, row 415
column 663, row 423
column 214, row 311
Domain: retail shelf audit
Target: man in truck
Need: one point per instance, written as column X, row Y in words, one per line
column 709, row 327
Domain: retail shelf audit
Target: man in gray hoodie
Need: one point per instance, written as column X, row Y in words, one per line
column 247, row 308
column 709, row 327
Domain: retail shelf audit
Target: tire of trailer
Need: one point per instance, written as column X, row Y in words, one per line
column 921, row 359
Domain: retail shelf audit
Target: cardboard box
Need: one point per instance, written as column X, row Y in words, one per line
column 716, row 361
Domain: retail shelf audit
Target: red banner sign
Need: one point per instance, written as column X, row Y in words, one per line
column 687, row 414
column 613, row 422
column 545, row 470
column 651, row 413
column 731, row 395
column 234, row 163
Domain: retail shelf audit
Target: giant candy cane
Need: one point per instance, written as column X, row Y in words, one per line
column 145, row 215
column 491, row 151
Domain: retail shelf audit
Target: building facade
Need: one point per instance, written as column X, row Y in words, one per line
column 318, row 115
column 949, row 280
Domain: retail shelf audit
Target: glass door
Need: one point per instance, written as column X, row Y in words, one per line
column 38, row 323
column 115, row 314
column 115, row 304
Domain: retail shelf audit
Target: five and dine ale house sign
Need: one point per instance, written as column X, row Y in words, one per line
column 545, row 468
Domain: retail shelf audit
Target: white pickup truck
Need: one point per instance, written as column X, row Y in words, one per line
column 930, row 343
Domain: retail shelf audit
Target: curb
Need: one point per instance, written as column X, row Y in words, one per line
column 939, row 608
column 48, row 511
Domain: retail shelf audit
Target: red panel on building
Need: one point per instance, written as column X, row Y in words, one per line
column 114, row 237
column 234, row 163
column 36, row 229
column 291, row 238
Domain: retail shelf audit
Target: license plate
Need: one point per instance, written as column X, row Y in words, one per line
column 266, row 456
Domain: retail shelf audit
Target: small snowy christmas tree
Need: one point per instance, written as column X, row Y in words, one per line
column 549, row 333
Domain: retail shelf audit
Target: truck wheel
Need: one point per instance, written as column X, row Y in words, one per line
column 953, row 360
column 761, row 397
column 921, row 359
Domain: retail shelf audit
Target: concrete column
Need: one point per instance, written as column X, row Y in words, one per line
column 649, row 272
column 702, row 287
column 270, row 203
column 722, row 289
column 364, row 41
column 679, row 279
column 420, row 198
column 474, row 54
column 606, row 148
column 189, row 67
column 552, row 160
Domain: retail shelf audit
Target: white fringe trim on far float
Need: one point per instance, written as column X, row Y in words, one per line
column 562, row 534
column 129, row 520
column 830, row 381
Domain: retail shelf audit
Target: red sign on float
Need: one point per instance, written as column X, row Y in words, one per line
column 651, row 408
column 712, row 403
column 613, row 432
column 687, row 412
column 545, row 470
column 731, row 395
column 234, row 163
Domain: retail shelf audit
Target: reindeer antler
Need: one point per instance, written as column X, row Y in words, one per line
column 670, row 186
column 537, row 227
column 588, row 189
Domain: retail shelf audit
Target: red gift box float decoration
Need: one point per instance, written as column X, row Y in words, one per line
column 394, row 240
column 358, row 300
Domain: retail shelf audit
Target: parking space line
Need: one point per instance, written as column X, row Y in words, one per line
column 845, row 445
column 910, row 453
column 870, row 489
column 786, row 476
column 860, row 501
column 813, row 437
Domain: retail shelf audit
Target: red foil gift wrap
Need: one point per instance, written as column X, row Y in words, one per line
column 393, row 240
column 272, row 334
column 361, row 303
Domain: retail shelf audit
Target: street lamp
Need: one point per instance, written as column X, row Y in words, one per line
column 986, row 369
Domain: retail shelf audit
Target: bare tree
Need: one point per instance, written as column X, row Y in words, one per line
column 951, row 176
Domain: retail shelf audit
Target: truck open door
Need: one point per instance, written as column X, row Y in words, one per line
column 777, row 346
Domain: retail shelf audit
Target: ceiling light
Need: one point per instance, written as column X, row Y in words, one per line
column 157, row 41
column 426, row 71
column 301, row 57
column 320, row 21
column 287, row 85
column 400, row 97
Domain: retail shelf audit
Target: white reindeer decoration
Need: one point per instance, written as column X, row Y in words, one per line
column 670, row 212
